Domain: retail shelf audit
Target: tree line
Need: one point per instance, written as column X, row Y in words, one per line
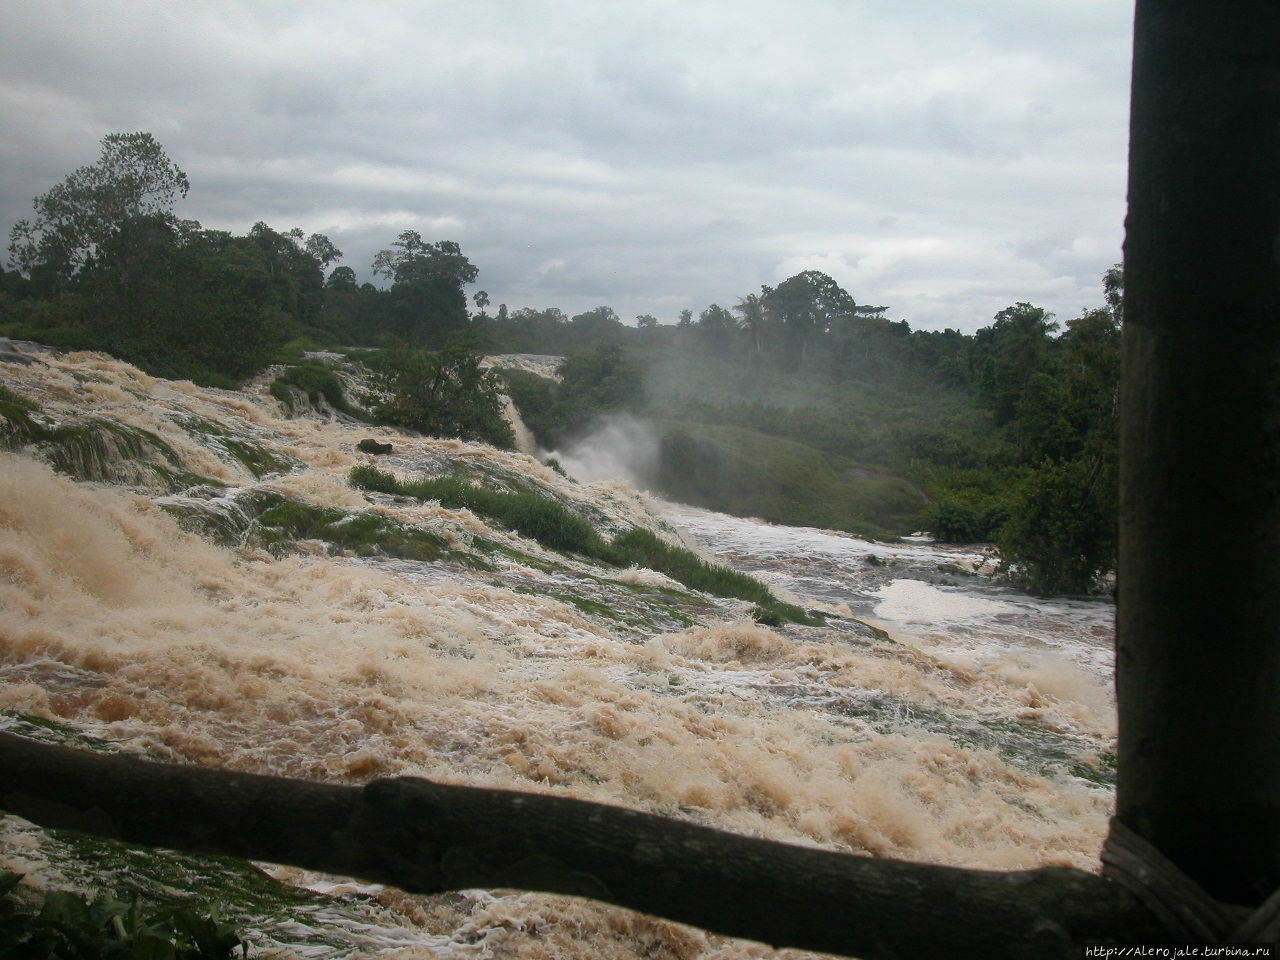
column 105, row 263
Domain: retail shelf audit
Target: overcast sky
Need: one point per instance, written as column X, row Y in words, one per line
column 943, row 157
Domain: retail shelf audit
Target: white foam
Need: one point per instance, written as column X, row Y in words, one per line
column 916, row 602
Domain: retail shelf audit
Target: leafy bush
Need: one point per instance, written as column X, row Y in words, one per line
column 1062, row 535
column 443, row 394
column 66, row 926
column 954, row 521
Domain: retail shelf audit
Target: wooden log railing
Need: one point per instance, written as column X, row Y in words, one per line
column 426, row 837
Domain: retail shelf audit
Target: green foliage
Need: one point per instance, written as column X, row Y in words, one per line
column 426, row 304
column 132, row 179
column 531, row 515
column 542, row 406
column 556, row 527
column 592, row 384
column 604, row 379
column 1010, row 352
column 365, row 534
column 109, row 267
column 66, row 926
column 317, row 380
column 1061, row 535
column 955, row 521
column 754, row 474
column 444, row 394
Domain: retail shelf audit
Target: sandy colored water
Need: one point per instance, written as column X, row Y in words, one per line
column 117, row 622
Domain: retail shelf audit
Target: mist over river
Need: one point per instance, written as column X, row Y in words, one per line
column 159, row 595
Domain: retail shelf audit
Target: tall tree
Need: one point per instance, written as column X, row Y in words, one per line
column 805, row 307
column 752, row 319
column 1011, row 350
column 427, row 303
column 132, row 178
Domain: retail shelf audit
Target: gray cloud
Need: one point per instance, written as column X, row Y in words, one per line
column 945, row 159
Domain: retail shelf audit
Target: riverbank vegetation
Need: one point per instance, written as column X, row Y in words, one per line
column 798, row 403
column 556, row 527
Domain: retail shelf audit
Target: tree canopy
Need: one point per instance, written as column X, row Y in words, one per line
column 132, row 178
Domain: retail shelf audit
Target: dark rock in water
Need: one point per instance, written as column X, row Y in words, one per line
column 373, row 446
column 20, row 351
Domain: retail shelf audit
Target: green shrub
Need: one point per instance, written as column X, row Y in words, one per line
column 1062, row 534
column 953, row 521
column 441, row 394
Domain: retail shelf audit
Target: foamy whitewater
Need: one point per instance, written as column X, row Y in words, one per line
column 937, row 716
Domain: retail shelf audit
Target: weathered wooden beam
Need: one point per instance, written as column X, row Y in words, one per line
column 426, row 837
column 1198, row 647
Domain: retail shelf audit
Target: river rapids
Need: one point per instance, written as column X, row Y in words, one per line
column 936, row 715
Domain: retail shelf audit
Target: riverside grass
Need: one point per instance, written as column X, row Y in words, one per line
column 556, row 527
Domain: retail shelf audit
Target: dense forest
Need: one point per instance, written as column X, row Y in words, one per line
column 796, row 403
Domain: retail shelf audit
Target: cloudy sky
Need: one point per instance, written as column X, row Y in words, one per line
column 944, row 157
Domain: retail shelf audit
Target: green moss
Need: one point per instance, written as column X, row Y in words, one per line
column 592, row 608
column 52, row 731
column 266, row 911
column 67, row 926
column 253, row 455
column 318, row 381
column 109, row 452
column 17, row 429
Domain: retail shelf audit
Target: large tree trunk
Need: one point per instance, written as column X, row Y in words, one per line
column 428, row 838
column 1198, row 655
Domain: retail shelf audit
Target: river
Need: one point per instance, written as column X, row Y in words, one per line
column 936, row 714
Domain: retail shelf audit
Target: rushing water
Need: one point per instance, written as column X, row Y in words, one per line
column 931, row 595
column 936, row 716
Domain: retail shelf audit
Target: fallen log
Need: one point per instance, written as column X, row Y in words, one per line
column 426, row 837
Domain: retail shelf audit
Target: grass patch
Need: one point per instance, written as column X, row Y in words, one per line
column 556, row 527
column 67, row 925
column 637, row 547
column 531, row 515
column 365, row 534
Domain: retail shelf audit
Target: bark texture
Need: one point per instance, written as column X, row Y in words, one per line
column 428, row 838
column 1198, row 652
